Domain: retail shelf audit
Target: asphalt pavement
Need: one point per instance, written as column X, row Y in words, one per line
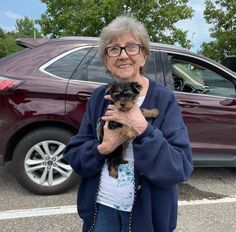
column 207, row 203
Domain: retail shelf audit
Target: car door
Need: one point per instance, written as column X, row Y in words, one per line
column 207, row 99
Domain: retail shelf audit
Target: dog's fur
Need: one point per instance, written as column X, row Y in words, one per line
column 124, row 95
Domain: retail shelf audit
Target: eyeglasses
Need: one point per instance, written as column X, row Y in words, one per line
column 130, row 49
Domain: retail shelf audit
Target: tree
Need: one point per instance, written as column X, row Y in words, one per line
column 26, row 28
column 222, row 15
column 2, row 34
column 7, row 43
column 88, row 17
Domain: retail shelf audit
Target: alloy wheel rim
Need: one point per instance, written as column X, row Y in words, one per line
column 44, row 163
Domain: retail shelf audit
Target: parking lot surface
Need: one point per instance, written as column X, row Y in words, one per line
column 207, row 203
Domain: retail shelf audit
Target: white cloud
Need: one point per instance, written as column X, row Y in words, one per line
column 12, row 15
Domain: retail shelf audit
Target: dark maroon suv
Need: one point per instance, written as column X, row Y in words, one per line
column 45, row 87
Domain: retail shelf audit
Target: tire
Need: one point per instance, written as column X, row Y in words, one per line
column 38, row 162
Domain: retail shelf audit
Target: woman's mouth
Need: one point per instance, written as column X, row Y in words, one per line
column 123, row 66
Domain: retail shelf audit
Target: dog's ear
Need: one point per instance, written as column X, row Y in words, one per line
column 136, row 87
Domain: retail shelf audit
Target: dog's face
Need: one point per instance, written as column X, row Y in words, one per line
column 124, row 94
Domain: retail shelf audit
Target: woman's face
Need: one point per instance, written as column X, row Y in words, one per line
column 124, row 66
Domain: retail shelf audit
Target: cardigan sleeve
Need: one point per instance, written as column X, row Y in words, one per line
column 163, row 155
column 81, row 152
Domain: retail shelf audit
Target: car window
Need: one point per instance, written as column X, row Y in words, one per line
column 91, row 69
column 97, row 71
column 194, row 78
column 149, row 69
column 65, row 64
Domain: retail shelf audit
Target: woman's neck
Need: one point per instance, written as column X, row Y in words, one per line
column 145, row 83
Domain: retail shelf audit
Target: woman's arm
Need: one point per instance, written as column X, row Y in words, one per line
column 81, row 152
column 163, row 155
column 84, row 152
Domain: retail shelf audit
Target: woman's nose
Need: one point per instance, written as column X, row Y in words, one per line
column 123, row 53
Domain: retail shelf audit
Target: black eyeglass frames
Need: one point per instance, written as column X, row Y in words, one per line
column 130, row 49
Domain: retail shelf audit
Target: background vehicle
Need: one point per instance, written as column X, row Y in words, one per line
column 45, row 87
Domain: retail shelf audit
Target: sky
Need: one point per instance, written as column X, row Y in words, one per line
column 10, row 10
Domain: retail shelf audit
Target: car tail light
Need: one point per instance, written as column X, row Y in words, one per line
column 7, row 84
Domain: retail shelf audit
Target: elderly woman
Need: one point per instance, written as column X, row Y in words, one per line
column 145, row 194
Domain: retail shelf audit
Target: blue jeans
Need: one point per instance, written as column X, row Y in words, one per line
column 111, row 220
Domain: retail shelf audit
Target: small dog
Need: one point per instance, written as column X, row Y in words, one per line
column 124, row 95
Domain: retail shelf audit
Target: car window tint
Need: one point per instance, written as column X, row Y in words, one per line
column 190, row 77
column 65, row 65
column 149, row 69
column 97, row 71
column 91, row 69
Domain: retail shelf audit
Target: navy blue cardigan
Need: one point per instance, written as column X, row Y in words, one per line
column 162, row 157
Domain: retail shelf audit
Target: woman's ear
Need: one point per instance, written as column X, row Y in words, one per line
column 104, row 59
column 145, row 54
column 105, row 63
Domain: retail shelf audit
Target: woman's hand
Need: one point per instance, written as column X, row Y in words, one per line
column 112, row 138
column 132, row 118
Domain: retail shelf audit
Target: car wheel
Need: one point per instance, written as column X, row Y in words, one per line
column 38, row 162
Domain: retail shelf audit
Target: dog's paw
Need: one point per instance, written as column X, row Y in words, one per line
column 150, row 113
column 155, row 113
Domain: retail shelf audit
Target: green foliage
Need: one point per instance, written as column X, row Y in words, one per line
column 88, row 17
column 2, row 34
column 24, row 29
column 7, row 43
column 222, row 15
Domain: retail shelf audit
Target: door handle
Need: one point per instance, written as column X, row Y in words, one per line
column 83, row 95
column 228, row 102
column 189, row 104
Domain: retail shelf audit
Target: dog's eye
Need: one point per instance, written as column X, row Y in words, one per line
column 128, row 94
column 115, row 96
